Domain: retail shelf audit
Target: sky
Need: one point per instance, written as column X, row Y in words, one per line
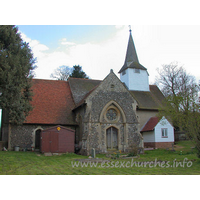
column 99, row 48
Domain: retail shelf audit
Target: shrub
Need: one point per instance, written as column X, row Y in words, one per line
column 133, row 151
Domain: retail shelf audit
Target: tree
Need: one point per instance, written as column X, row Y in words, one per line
column 16, row 67
column 182, row 104
column 62, row 73
column 78, row 73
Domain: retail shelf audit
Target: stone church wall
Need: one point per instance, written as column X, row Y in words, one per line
column 111, row 93
column 24, row 136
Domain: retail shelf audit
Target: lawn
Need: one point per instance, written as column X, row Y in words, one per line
column 151, row 162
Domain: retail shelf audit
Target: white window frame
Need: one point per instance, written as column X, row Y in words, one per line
column 164, row 133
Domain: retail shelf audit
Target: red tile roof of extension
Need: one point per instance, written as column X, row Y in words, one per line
column 52, row 103
column 150, row 125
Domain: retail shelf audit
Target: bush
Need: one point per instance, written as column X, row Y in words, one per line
column 133, row 151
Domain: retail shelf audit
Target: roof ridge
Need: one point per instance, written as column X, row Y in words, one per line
column 48, row 80
column 85, row 79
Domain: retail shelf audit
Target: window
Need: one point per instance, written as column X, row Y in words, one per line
column 111, row 114
column 164, row 132
column 124, row 72
column 112, row 86
column 137, row 71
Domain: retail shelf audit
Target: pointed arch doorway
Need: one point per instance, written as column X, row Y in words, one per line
column 112, row 138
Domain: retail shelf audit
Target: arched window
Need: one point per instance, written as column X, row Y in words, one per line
column 112, row 113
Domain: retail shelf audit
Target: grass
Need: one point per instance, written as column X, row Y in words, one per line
column 31, row 163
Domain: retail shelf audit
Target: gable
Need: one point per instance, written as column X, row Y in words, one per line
column 164, row 122
column 154, row 122
column 112, row 84
column 52, row 103
column 110, row 91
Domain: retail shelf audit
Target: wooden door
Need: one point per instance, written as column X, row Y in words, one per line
column 112, row 138
column 46, row 142
column 50, row 142
column 54, row 142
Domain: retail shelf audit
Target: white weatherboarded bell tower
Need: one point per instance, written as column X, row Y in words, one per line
column 133, row 74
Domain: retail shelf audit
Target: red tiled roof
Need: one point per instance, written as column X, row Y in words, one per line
column 52, row 103
column 150, row 125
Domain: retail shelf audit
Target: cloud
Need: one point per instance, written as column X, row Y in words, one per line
column 64, row 42
column 153, row 47
column 96, row 59
column 46, row 61
column 119, row 26
column 37, row 48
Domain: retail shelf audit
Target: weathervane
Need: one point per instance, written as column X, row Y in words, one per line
column 130, row 28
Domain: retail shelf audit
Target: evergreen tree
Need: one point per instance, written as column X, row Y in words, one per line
column 78, row 72
column 16, row 65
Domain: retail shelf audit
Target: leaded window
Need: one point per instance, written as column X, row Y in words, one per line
column 111, row 114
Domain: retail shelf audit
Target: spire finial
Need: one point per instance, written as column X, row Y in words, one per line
column 130, row 28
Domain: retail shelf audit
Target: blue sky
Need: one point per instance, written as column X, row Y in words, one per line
column 50, row 34
column 99, row 48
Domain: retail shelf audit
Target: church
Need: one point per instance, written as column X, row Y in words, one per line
column 106, row 115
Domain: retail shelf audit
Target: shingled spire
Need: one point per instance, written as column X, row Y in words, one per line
column 133, row 74
column 131, row 60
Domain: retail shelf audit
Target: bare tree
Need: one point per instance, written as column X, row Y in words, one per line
column 62, row 73
column 178, row 86
column 182, row 101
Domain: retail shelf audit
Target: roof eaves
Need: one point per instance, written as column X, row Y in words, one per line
column 149, row 109
column 133, row 65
